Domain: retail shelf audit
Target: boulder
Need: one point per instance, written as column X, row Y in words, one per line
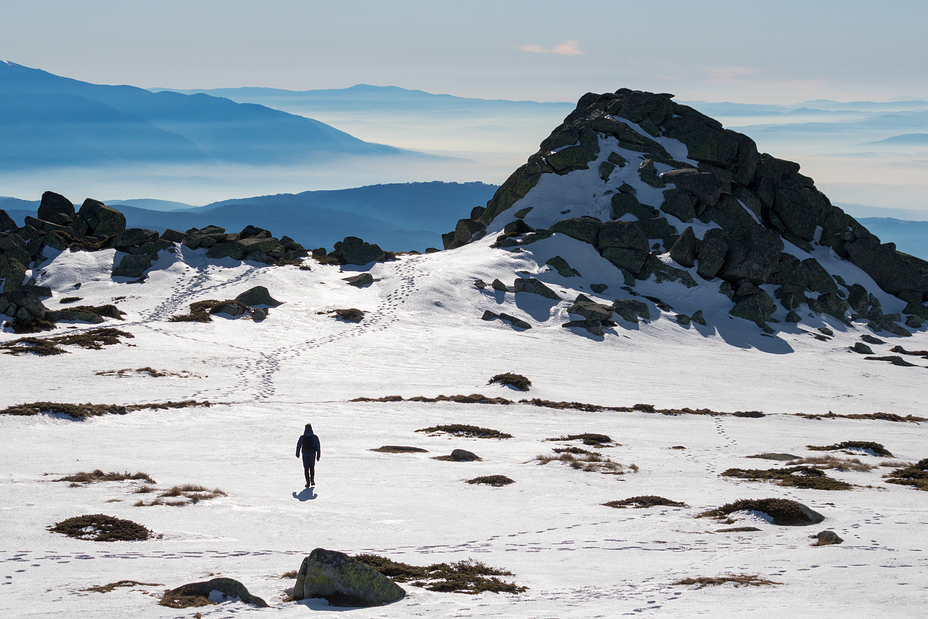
column 6, row 222
column 589, row 309
column 353, row 250
column 631, row 310
column 562, row 267
column 626, row 203
column 343, row 581
column 256, row 296
column 679, row 203
column 499, row 286
column 826, row 538
column 753, row 257
column 704, row 185
column 12, row 273
column 132, row 266
column 623, row 244
column 133, row 237
column 215, row 591
column 359, row 281
column 225, row 249
column 24, row 304
column 648, row 173
column 56, row 209
column 173, row 236
column 462, row 455
column 684, row 249
column 584, row 229
column 534, row 286
column 98, row 220
column 892, row 271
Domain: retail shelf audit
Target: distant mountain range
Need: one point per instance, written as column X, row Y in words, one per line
column 399, row 217
column 47, row 121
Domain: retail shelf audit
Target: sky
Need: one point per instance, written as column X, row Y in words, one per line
column 717, row 50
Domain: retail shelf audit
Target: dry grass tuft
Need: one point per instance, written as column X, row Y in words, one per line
column 797, row 477
column 915, row 475
column 99, row 476
column 832, row 462
column 187, row 494
column 589, row 438
column 467, row 576
column 94, row 339
column 589, row 462
column 101, row 528
column 513, row 380
column 399, row 449
column 643, row 502
column 783, row 511
column 739, row 580
column 121, row 583
column 83, row 411
column 465, row 431
column 496, row 481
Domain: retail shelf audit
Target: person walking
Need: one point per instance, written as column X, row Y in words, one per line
column 312, row 451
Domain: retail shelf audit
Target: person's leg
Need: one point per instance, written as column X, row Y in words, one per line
column 306, row 475
column 312, row 473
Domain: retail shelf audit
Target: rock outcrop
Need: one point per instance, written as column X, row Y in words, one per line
column 678, row 197
column 343, row 581
column 210, row 592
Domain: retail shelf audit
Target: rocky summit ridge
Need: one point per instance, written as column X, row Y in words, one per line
column 661, row 191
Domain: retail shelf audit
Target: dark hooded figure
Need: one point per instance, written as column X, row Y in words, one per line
column 309, row 445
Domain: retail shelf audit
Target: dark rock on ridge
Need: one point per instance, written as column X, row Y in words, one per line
column 198, row 593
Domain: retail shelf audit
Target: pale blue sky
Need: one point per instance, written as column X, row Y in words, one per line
column 746, row 51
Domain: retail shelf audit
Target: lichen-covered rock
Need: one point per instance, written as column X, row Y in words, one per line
column 623, row 244
column 679, row 203
column 353, row 250
column 98, row 220
column 343, row 581
column 631, row 310
column 532, row 285
column 892, row 271
column 683, row 251
column 584, row 229
column 225, row 249
column 712, row 253
column 12, row 273
column 665, row 273
column 753, row 257
column 705, row 186
column 133, row 237
column 562, row 267
column 132, row 265
column 626, row 203
column 56, row 208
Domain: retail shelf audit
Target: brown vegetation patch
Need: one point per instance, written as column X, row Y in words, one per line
column 199, row 312
column 399, row 449
column 915, row 475
column 593, row 440
column 99, row 476
column 94, row 339
column 351, row 314
column 101, row 528
column 915, row 353
column 589, row 462
column 775, row 456
column 894, row 359
column 644, row 502
column 290, row 574
column 831, row 462
column 83, row 411
column 29, row 325
column 783, row 511
column 465, row 431
column 467, row 576
column 867, row 446
column 186, row 494
column 797, row 477
column 146, row 371
column 738, row 530
column 879, row 416
column 513, row 380
column 739, row 580
column 121, row 583
column 73, row 300
column 496, row 481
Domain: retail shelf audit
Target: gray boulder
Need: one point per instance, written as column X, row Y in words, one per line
column 359, row 281
column 679, row 203
column 56, row 208
column 132, row 265
column 6, row 222
column 462, row 455
column 584, row 229
column 343, row 581
column 12, row 273
column 258, row 295
column 631, row 310
column 704, row 185
column 534, row 286
column 98, row 220
column 134, row 237
column 225, row 249
column 623, row 244
column 353, row 250
column 684, row 249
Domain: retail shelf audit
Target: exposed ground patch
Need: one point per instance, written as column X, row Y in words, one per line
column 399, row 449
column 513, row 380
column 797, row 477
column 101, row 528
column 467, row 576
column 122, row 583
column 98, row 476
column 781, row 511
column 588, row 462
column 644, row 502
column 589, row 438
column 146, row 371
column 83, row 411
column 739, row 580
column 915, row 475
column 180, row 496
column 465, row 431
column 94, row 339
column 496, row 481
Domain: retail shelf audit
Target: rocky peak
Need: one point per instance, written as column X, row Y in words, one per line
column 661, row 190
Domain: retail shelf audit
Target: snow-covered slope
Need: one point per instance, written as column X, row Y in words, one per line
column 422, row 335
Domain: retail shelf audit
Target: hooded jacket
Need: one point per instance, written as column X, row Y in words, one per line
column 309, row 444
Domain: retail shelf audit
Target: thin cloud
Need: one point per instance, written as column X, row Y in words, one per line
column 567, row 48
